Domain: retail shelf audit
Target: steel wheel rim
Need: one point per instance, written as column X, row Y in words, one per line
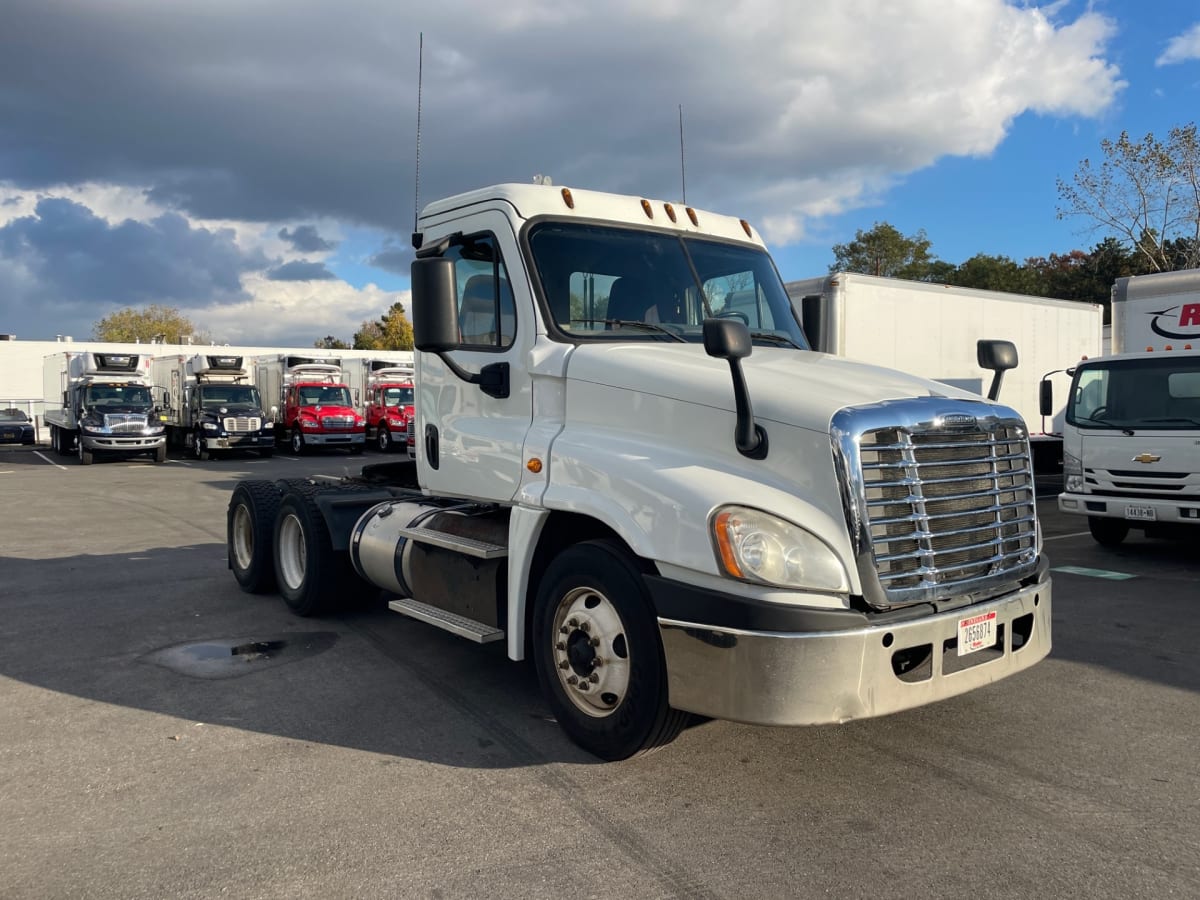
column 292, row 551
column 196, row 445
column 591, row 652
column 384, row 439
column 297, row 442
column 243, row 537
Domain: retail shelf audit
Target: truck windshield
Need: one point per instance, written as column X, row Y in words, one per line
column 607, row 283
column 214, row 395
column 112, row 395
column 324, row 396
column 1160, row 393
column 398, row 396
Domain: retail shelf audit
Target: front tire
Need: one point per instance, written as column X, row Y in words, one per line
column 384, row 439
column 1108, row 532
column 86, row 457
column 249, row 532
column 297, row 442
column 306, row 567
column 198, row 446
column 160, row 454
column 598, row 655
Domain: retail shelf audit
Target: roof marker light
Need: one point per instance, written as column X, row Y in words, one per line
column 648, row 209
column 567, row 198
column 746, row 228
column 692, row 215
column 670, row 211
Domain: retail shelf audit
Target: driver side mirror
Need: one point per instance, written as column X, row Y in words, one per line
column 1046, row 398
column 434, row 305
column 999, row 356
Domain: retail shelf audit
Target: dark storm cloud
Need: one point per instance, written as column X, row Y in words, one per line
column 72, row 253
column 305, row 239
column 300, row 270
column 393, row 258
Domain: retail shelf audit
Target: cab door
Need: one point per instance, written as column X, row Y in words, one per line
column 470, row 442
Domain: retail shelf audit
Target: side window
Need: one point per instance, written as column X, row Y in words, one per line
column 486, row 312
column 1091, row 393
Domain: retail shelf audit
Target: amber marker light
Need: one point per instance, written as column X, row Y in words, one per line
column 567, row 198
column 692, row 215
column 728, row 557
column 670, row 211
column 746, row 228
column 534, row 465
column 647, row 209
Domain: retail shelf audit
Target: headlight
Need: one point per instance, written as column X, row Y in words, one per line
column 309, row 426
column 1072, row 473
column 93, row 428
column 211, row 426
column 752, row 545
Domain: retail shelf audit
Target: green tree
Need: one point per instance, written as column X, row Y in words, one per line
column 885, row 251
column 329, row 342
column 995, row 273
column 392, row 331
column 154, row 323
column 1146, row 193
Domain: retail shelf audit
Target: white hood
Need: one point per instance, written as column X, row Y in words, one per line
column 792, row 387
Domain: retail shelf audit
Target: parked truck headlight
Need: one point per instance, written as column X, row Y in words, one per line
column 210, row 426
column 1072, row 473
column 752, row 545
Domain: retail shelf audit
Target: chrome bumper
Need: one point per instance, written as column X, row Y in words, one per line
column 813, row 678
column 121, row 443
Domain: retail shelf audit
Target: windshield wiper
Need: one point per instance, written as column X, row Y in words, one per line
column 1187, row 419
column 774, row 338
column 649, row 326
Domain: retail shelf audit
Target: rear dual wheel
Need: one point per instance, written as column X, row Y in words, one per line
column 313, row 578
column 250, row 529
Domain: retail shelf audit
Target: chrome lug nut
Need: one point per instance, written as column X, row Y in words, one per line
column 560, row 646
column 593, row 678
column 564, row 664
column 573, row 680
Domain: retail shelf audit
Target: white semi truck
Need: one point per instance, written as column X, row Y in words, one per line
column 932, row 329
column 210, row 404
column 1131, row 441
column 663, row 497
column 102, row 403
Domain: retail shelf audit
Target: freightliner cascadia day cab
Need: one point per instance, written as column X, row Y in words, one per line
column 102, row 404
column 932, row 329
column 211, row 405
column 669, row 502
column 1131, row 443
column 311, row 404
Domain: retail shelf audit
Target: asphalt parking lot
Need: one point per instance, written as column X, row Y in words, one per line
column 368, row 754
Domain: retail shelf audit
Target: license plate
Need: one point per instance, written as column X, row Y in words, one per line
column 976, row 633
column 1142, row 513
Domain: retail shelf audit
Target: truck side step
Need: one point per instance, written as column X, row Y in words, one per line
column 464, row 545
column 455, row 624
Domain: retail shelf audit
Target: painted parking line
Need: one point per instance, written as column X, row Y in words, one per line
column 49, row 460
column 1059, row 537
column 7, row 471
column 1093, row 573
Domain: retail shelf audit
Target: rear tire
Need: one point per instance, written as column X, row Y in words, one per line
column 1108, row 532
column 307, row 569
column 249, row 533
column 594, row 624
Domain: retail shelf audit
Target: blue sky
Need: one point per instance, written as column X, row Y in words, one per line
column 252, row 164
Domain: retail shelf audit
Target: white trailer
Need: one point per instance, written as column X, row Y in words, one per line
column 931, row 330
column 1131, row 439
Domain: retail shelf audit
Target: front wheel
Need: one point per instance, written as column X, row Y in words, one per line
column 598, row 655
column 199, row 447
column 1108, row 532
column 160, row 453
column 384, row 439
column 249, row 529
column 297, row 442
column 85, row 455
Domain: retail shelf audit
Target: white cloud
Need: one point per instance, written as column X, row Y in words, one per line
column 1181, row 48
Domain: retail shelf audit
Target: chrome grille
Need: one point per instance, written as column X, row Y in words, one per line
column 125, row 424
column 939, row 511
column 337, row 421
column 241, row 424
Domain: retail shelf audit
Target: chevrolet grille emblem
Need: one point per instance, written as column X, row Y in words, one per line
column 1146, row 458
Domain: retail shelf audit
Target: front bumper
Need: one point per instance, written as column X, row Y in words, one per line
column 812, row 677
column 241, row 442
column 122, row 443
column 1181, row 511
column 336, row 439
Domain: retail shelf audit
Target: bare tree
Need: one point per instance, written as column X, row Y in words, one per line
column 1145, row 192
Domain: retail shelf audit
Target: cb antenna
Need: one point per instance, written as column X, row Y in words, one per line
column 416, row 235
column 682, row 168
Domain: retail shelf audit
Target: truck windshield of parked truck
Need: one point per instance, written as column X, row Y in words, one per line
column 1160, row 393
column 324, row 396
column 116, row 395
column 215, row 395
column 398, row 396
column 608, row 283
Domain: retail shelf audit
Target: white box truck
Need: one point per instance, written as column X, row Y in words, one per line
column 210, row 404
column 671, row 511
column 931, row 330
column 1131, row 441
column 101, row 403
